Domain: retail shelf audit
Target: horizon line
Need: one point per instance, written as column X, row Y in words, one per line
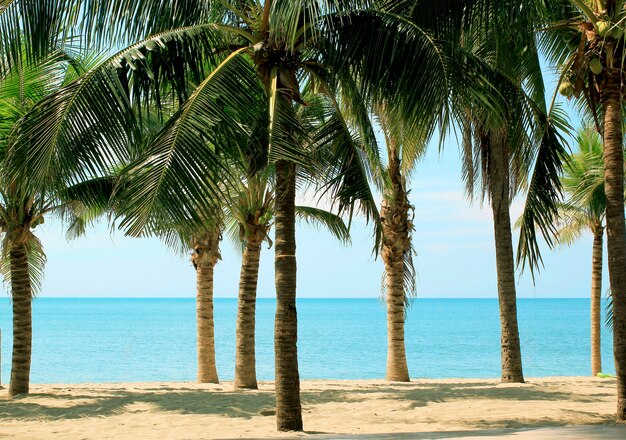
column 305, row 297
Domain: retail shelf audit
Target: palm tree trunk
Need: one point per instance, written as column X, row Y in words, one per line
column 616, row 242
column 596, row 294
column 396, row 243
column 21, row 296
column 511, row 354
column 205, row 256
column 288, row 407
column 245, row 362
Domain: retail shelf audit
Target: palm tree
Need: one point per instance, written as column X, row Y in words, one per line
column 592, row 66
column 221, row 63
column 500, row 150
column 205, row 256
column 502, row 140
column 22, row 208
column 251, row 213
column 583, row 182
column 403, row 148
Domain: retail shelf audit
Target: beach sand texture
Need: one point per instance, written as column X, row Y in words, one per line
column 193, row 411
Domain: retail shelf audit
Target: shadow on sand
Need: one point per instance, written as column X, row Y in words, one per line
column 74, row 402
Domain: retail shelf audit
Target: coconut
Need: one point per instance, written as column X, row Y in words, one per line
column 566, row 89
column 603, row 28
column 595, row 66
column 37, row 222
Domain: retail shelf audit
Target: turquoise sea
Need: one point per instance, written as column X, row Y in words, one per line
column 122, row 340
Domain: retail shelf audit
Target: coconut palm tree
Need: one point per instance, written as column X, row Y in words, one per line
column 204, row 257
column 251, row 213
column 501, row 148
column 585, row 209
column 22, row 209
column 592, row 71
column 403, row 148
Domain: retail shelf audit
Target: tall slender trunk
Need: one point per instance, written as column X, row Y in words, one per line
column 288, row 407
column 396, row 243
column 616, row 242
column 205, row 257
column 499, row 191
column 596, row 295
column 21, row 297
column 245, row 362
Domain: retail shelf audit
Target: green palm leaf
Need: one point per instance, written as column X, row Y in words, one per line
column 86, row 128
column 321, row 218
column 182, row 170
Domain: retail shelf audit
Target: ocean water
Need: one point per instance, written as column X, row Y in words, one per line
column 120, row 340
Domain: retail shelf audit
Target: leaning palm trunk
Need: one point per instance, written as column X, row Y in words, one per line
column 245, row 361
column 396, row 243
column 616, row 242
column 288, row 407
column 21, row 296
column 499, row 191
column 596, row 294
column 205, row 256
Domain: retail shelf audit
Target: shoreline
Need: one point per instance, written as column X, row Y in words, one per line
column 172, row 410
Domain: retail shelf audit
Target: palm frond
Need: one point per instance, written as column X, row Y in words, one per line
column 85, row 129
column 183, row 171
column 85, row 203
column 572, row 222
column 319, row 217
column 379, row 46
column 344, row 171
column 31, row 30
column 287, row 132
column 544, row 194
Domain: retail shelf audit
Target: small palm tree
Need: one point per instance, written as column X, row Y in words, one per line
column 585, row 209
column 250, row 214
column 205, row 255
column 403, row 147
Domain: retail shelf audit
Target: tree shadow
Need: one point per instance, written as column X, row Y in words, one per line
column 57, row 404
column 229, row 404
column 419, row 395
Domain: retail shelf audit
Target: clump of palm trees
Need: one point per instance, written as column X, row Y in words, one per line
column 255, row 100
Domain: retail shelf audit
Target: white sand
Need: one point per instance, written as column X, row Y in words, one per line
column 193, row 411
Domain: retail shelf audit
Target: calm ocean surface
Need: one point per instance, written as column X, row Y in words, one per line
column 123, row 340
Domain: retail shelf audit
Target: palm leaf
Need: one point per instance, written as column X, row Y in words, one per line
column 544, row 194
column 321, row 218
column 85, row 129
column 31, row 30
column 183, row 170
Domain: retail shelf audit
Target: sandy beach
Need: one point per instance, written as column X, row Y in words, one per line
column 193, row 411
